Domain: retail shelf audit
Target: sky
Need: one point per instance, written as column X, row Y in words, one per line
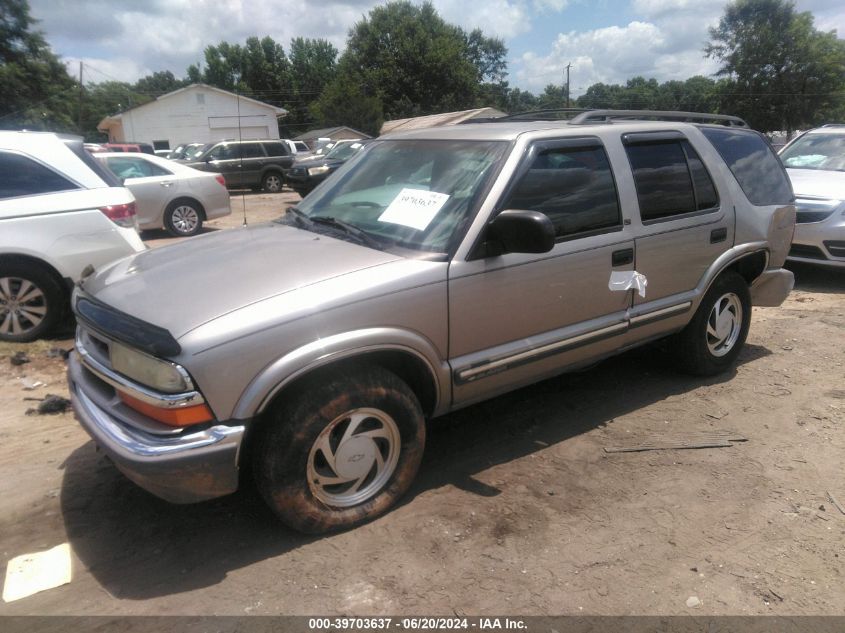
column 606, row 41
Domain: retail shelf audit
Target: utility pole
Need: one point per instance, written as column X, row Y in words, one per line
column 80, row 97
column 567, row 83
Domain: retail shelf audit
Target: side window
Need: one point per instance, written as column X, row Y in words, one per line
column 753, row 163
column 573, row 186
column 22, row 176
column 670, row 178
column 276, row 149
column 252, row 150
column 135, row 168
column 223, row 152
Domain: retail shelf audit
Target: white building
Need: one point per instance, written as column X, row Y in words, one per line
column 195, row 114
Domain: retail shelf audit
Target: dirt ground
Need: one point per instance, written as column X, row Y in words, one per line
column 517, row 507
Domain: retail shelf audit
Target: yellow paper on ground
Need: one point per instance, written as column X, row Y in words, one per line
column 30, row 573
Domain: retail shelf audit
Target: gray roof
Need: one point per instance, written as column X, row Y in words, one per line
column 327, row 132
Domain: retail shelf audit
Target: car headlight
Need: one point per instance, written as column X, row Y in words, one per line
column 316, row 171
column 149, row 371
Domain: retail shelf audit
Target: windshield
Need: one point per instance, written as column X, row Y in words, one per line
column 194, row 151
column 816, row 151
column 343, row 151
column 414, row 194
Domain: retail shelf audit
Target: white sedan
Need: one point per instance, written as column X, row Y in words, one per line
column 168, row 194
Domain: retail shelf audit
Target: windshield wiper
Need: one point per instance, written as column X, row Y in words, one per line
column 300, row 217
column 349, row 229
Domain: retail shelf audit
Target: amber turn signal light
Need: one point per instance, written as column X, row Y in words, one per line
column 182, row 416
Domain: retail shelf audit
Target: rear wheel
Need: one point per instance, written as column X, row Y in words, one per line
column 31, row 301
column 272, row 183
column 711, row 342
column 183, row 218
column 341, row 451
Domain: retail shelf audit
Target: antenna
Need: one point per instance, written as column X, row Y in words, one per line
column 241, row 153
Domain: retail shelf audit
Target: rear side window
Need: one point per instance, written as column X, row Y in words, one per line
column 670, row 178
column 252, row 150
column 131, row 167
column 22, row 176
column 573, row 186
column 276, row 149
column 753, row 163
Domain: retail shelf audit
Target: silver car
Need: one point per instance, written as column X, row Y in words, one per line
column 169, row 195
column 815, row 162
column 435, row 269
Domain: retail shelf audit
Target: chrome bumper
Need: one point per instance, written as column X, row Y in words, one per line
column 772, row 287
column 183, row 468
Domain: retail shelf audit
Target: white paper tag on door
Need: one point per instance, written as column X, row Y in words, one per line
column 624, row 280
column 414, row 208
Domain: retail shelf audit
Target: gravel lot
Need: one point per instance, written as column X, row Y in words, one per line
column 517, row 509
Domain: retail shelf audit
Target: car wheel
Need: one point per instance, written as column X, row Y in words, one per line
column 272, row 183
column 341, row 451
column 31, row 301
column 183, row 218
column 711, row 342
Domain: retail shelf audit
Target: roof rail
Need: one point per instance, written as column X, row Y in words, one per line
column 834, row 125
column 551, row 114
column 598, row 116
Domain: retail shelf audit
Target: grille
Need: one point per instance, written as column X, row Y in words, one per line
column 805, row 251
column 804, row 217
column 836, row 248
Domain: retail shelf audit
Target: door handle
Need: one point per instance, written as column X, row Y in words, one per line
column 620, row 258
column 167, row 183
column 718, row 235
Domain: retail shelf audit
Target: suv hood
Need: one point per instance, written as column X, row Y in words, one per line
column 818, row 183
column 183, row 286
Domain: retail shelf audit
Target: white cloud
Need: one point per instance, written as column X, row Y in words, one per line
column 500, row 18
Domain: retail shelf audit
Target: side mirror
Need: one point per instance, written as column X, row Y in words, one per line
column 519, row 232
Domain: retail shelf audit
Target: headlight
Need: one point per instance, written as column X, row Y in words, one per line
column 316, row 171
column 147, row 370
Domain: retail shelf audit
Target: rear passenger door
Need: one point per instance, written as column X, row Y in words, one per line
column 683, row 226
column 516, row 318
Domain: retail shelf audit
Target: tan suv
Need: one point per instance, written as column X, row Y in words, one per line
column 436, row 268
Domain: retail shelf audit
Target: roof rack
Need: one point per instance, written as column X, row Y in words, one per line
column 597, row 116
column 582, row 116
column 834, row 125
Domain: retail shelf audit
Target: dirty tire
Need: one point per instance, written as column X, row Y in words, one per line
column 362, row 426
column 272, row 182
column 711, row 342
column 183, row 218
column 31, row 301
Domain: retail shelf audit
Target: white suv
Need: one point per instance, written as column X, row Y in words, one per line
column 60, row 212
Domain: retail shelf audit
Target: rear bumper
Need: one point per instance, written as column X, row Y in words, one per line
column 772, row 287
column 183, row 468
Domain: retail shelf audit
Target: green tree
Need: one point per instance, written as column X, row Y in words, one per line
column 159, row 83
column 417, row 63
column 105, row 99
column 38, row 92
column 313, row 65
column 782, row 73
column 345, row 102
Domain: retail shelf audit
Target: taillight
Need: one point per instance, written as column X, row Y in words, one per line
column 220, row 179
column 121, row 214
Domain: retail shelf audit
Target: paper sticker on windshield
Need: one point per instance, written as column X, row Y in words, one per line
column 414, row 208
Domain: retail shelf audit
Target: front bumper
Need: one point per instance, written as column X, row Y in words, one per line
column 180, row 468
column 820, row 243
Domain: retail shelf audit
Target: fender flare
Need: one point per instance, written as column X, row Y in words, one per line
column 307, row 358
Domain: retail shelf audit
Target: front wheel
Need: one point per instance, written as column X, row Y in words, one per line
column 341, row 451
column 272, row 183
column 711, row 342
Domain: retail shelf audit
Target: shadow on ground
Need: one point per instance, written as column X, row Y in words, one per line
column 139, row 547
column 818, row 278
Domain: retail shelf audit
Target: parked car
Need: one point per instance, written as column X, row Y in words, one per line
column 60, row 213
column 185, row 151
column 246, row 164
column 305, row 174
column 815, row 162
column 297, row 147
column 169, row 195
column 162, row 153
column 440, row 268
column 146, row 148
